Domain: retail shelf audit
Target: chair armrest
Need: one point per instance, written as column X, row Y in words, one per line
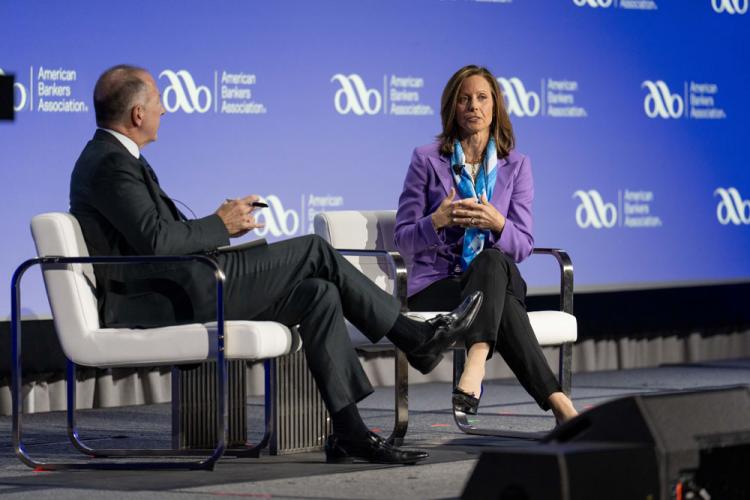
column 566, row 276
column 122, row 259
column 398, row 267
column 134, row 259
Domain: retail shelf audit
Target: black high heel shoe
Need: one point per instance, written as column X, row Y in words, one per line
column 465, row 402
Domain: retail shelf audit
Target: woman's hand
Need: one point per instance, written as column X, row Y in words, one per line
column 482, row 215
column 443, row 217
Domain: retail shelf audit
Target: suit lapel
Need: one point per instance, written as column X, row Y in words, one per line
column 442, row 168
column 165, row 198
column 150, row 176
column 503, row 181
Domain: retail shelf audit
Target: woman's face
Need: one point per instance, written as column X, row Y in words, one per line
column 474, row 105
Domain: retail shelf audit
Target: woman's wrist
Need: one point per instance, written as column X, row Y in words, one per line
column 435, row 223
column 499, row 225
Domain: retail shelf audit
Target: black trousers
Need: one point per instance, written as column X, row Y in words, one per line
column 305, row 281
column 502, row 320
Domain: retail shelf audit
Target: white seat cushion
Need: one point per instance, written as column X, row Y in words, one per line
column 550, row 327
column 251, row 340
column 258, row 339
column 108, row 347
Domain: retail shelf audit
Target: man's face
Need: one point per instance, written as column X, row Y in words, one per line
column 152, row 111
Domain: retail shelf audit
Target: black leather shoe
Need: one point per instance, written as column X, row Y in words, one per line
column 465, row 402
column 448, row 328
column 373, row 449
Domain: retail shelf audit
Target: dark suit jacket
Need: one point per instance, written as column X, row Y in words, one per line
column 123, row 211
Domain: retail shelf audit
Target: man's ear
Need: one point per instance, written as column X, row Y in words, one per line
column 136, row 115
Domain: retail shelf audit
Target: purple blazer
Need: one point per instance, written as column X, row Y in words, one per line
column 434, row 255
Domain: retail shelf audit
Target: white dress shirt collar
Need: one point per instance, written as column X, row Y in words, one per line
column 126, row 141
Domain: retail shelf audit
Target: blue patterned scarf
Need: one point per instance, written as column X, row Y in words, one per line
column 473, row 237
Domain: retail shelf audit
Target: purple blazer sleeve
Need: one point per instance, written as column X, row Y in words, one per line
column 414, row 231
column 517, row 239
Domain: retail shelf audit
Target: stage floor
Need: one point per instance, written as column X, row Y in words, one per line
column 306, row 476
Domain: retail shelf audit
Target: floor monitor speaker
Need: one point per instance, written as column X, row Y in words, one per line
column 648, row 446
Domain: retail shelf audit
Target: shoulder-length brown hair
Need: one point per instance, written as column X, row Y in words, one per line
column 500, row 129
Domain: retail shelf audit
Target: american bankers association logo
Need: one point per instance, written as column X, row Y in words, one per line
column 730, row 6
column 354, row 96
column 401, row 96
column 593, row 3
column 21, row 95
column 732, row 208
column 701, row 101
column 278, row 220
column 660, row 101
column 635, row 209
column 518, row 100
column 183, row 93
column 618, row 4
column 281, row 222
column 593, row 211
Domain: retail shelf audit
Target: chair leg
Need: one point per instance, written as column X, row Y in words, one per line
column 401, row 394
column 566, row 362
column 80, row 445
column 70, row 392
column 462, row 419
column 25, row 457
column 269, row 417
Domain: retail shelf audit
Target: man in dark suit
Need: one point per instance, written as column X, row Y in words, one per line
column 116, row 197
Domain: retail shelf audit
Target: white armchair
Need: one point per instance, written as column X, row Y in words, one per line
column 70, row 283
column 366, row 239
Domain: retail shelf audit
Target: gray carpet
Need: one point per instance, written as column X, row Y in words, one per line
column 305, row 476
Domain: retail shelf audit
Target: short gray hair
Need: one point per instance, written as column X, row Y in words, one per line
column 116, row 92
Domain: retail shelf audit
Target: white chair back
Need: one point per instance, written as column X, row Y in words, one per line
column 362, row 230
column 70, row 288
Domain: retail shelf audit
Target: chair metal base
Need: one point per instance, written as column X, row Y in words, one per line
column 221, row 420
column 462, row 419
column 459, row 355
column 176, row 451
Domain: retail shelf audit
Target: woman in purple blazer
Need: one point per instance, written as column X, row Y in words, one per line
column 464, row 219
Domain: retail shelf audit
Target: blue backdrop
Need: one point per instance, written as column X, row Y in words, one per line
column 635, row 114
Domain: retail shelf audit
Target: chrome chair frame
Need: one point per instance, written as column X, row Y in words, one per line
column 17, row 380
column 401, row 365
column 565, row 356
column 401, row 368
column 239, row 452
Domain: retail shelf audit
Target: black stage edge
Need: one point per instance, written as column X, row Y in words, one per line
column 40, row 349
column 655, row 312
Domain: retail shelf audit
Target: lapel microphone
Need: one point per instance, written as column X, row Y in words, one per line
column 457, row 169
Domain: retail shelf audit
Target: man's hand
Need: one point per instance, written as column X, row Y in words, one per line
column 237, row 215
column 483, row 215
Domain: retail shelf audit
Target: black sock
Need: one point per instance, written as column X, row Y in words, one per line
column 348, row 422
column 407, row 334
